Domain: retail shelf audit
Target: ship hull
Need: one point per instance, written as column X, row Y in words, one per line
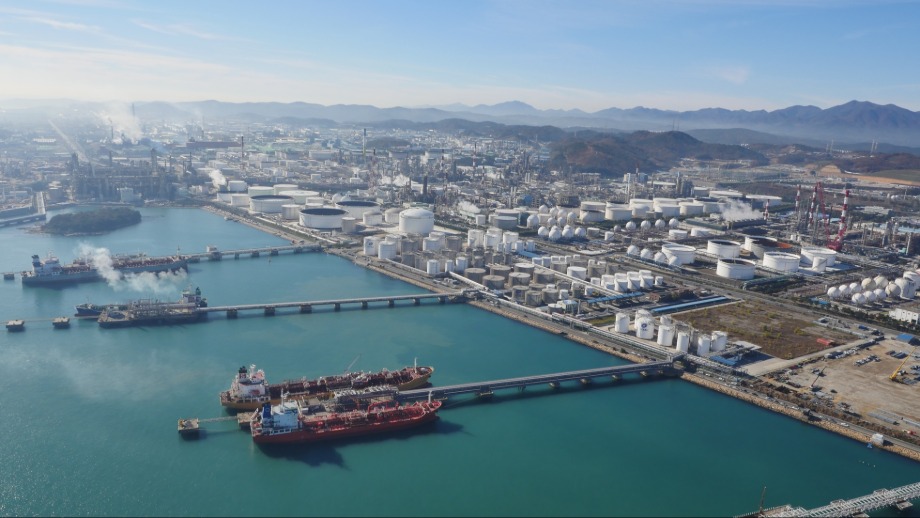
column 92, row 275
column 231, row 403
column 302, row 436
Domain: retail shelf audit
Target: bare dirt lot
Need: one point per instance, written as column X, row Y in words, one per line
column 779, row 332
column 867, row 387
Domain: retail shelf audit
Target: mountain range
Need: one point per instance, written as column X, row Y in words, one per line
column 852, row 122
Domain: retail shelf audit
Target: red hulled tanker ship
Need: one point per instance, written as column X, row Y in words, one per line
column 298, row 422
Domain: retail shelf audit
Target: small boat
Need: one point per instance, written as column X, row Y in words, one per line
column 61, row 323
column 16, row 325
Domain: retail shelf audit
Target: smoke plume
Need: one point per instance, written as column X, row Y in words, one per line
column 144, row 282
column 738, row 210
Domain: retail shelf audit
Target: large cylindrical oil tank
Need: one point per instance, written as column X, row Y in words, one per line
column 809, row 254
column 475, row 274
column 686, row 254
column 579, row 272
column 392, row 215
column 719, row 340
column 740, row 269
column 387, row 250
column 278, row 187
column 518, row 293
column 225, row 197
column 518, row 279
column 683, row 342
column 665, row 335
column 290, row 211
column 668, row 210
column 416, row 221
column 372, row 218
column 617, row 213
column 533, row 298
column 432, row 244
column 723, row 248
column 501, row 271
column 527, row 268
column 691, row 208
column 761, row 245
column 645, row 328
column 621, row 324
column 461, row 263
column 239, row 200
column 781, row 261
column 493, row 282
column 349, row 225
column 550, row 295
column 700, row 232
column 371, row 244
column 544, row 277
column 322, row 218
column 357, row 208
column 260, row 190
column 592, row 216
column 431, row 267
column 269, row 204
column 300, row 197
column 703, row 344
column 236, row 186
column 504, row 222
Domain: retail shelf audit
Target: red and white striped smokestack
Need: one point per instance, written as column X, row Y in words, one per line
column 843, row 215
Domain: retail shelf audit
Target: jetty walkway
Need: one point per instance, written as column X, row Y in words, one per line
column 307, row 306
column 898, row 498
column 585, row 376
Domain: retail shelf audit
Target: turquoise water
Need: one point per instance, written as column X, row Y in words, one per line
column 89, row 415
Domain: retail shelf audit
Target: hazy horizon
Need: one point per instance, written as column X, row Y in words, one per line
column 592, row 55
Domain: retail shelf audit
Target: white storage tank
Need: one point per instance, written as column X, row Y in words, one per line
column 723, row 248
column 632, row 250
column 357, row 208
column 880, row 281
column 269, row 204
column 666, row 335
column 691, row 208
column 279, row 187
column 645, row 328
column 349, row 225
column 645, row 225
column 372, row 218
column 533, row 221
column 719, row 340
column 683, row 342
column 239, row 200
column 493, row 282
column 646, row 254
column 416, row 221
column 579, row 272
column 225, row 197
column 781, row 261
column 236, row 186
column 290, row 211
column 432, row 244
column 387, row 250
column 668, row 210
column 685, row 254
column 700, row 232
column 740, row 269
column 810, row 253
column 660, row 258
column 832, row 292
column 392, row 215
column 621, row 324
column 261, row 190
column 504, row 222
column 858, row 299
column 703, row 344
column 460, row 263
column 300, row 197
column 868, row 284
column 370, row 245
column 554, row 234
column 617, row 212
column 592, row 216
column 660, row 224
column 676, row 233
column 324, row 218
column 431, row 267
column 893, row 290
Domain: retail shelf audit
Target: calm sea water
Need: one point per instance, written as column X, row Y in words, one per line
column 89, row 415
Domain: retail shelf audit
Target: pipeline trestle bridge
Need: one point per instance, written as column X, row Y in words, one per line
column 270, row 308
column 486, row 388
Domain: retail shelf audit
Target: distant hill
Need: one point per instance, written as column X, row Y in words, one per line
column 613, row 155
column 852, row 122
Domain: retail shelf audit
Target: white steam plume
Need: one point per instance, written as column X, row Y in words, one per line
column 155, row 282
column 738, row 210
column 121, row 120
column 217, row 178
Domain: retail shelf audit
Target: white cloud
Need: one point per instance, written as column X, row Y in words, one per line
column 181, row 29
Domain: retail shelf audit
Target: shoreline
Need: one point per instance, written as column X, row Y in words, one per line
column 824, row 423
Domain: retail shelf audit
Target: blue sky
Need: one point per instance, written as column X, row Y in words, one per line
column 670, row 54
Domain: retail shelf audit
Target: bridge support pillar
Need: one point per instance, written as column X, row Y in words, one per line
column 269, row 311
column 236, row 256
column 392, row 303
column 417, row 301
column 254, row 254
column 363, row 304
column 273, row 252
column 306, row 308
column 442, row 300
column 338, row 306
column 231, row 313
